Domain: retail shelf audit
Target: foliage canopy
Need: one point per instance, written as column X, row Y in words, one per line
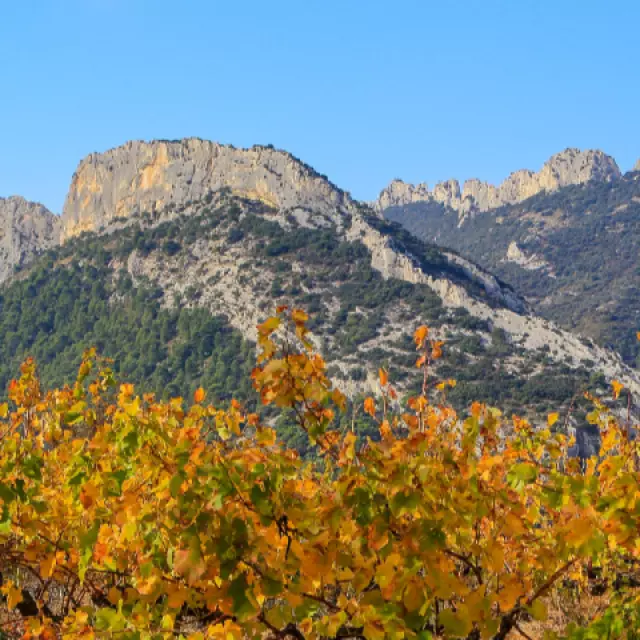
column 126, row 517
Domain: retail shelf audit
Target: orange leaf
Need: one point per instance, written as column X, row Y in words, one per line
column 199, row 395
column 384, row 377
column 47, row 565
column 299, row 316
column 268, row 326
column 420, row 335
column 370, row 407
column 14, row 596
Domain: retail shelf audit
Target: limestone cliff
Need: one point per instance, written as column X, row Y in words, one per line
column 571, row 166
column 26, row 229
column 147, row 176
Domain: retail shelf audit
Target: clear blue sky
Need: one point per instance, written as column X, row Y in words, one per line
column 363, row 91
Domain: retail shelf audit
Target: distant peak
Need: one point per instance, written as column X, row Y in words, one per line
column 571, row 166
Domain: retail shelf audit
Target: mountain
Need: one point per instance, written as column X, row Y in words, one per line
column 569, row 167
column 174, row 251
column 26, row 229
column 572, row 252
column 146, row 177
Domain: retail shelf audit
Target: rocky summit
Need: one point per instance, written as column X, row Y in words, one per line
column 571, row 166
column 147, row 176
column 26, row 229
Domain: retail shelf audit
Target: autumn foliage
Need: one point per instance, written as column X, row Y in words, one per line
column 124, row 517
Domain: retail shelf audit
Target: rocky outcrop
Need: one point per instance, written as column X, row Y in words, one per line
column 147, row 176
column 394, row 263
column 530, row 262
column 636, row 166
column 26, row 229
column 571, row 166
column 400, row 193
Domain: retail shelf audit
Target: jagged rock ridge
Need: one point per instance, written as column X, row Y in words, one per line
column 26, row 229
column 571, row 166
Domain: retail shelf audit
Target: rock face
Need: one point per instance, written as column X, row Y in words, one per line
column 571, row 166
column 141, row 176
column 528, row 262
column 636, row 166
column 399, row 193
column 26, row 229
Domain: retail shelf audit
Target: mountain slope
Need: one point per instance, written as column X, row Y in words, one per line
column 572, row 253
column 175, row 235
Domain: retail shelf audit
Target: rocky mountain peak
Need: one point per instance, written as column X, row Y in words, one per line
column 146, row 176
column 571, row 166
column 399, row 193
column 26, row 229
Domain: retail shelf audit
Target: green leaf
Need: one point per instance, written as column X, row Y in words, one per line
column 521, row 474
column 238, row 590
column 175, row 484
column 7, row 494
column 456, row 624
column 538, row 610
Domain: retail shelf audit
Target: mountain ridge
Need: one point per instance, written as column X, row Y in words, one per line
column 572, row 253
column 571, row 166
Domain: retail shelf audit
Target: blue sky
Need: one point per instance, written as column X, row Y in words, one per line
column 363, row 91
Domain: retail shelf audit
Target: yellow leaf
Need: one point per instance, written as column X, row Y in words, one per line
column 509, row 595
column 133, row 408
column 14, row 596
column 374, row 630
column 413, row 597
column 552, row 418
column 268, row 326
column 496, row 558
column 168, row 622
column 299, row 316
column 513, row 524
column 47, row 565
column 617, row 388
column 580, row 532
